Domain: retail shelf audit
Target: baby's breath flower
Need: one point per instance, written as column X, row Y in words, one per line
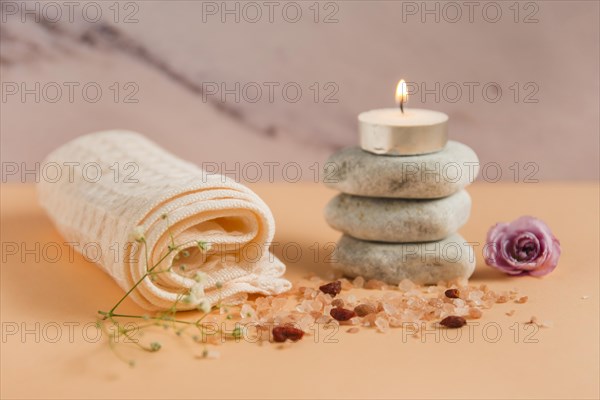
column 237, row 332
column 204, row 246
column 204, row 306
column 200, row 277
column 198, row 290
column 137, row 234
column 196, row 294
column 155, row 346
column 210, row 354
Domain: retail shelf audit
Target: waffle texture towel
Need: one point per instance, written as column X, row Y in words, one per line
column 114, row 183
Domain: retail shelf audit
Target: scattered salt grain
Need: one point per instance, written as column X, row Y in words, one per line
column 502, row 299
column 346, row 284
column 358, row 282
column 375, row 284
column 475, row 313
column 364, row 309
column 248, row 312
column 337, row 303
column 522, row 300
column 405, row 285
column 382, row 324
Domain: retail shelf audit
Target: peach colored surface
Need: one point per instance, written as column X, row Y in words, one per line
column 562, row 364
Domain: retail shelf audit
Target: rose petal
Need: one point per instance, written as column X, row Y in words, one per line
column 551, row 263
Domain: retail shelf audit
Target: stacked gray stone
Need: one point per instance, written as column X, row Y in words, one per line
column 399, row 214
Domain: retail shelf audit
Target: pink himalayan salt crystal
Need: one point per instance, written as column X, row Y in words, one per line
column 461, row 311
column 309, row 305
column 475, row 297
column 391, row 296
column 346, row 284
column 310, row 293
column 448, row 308
column 459, row 302
column 411, row 316
column 405, row 285
column 375, row 284
column 248, row 312
column 338, row 303
column 353, row 330
column 475, row 313
column 416, row 302
column 305, row 323
column 501, row 299
column 522, row 300
column 414, row 293
column 358, row 282
column 279, row 303
column 324, row 298
column 436, row 303
column 434, row 289
column 351, row 299
column 315, row 314
column 369, row 320
column 262, row 303
column 389, row 309
column 382, row 324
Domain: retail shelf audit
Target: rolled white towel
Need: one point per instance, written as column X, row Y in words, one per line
column 114, row 183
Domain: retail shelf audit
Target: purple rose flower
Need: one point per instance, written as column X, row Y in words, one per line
column 525, row 246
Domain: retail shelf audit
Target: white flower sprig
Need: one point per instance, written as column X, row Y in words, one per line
column 110, row 321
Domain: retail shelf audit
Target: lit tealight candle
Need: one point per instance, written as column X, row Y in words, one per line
column 399, row 131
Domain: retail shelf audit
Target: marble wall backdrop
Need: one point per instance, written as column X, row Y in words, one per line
column 282, row 82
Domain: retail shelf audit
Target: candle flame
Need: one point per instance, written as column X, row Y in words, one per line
column 401, row 93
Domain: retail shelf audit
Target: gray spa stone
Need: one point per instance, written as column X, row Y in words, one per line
column 422, row 263
column 398, row 220
column 355, row 171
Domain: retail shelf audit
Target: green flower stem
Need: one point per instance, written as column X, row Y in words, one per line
column 179, row 321
column 166, row 318
column 148, row 271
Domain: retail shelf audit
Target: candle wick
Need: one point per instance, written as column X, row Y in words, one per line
column 402, row 107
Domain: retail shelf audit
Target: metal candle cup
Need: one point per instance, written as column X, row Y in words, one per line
column 389, row 131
